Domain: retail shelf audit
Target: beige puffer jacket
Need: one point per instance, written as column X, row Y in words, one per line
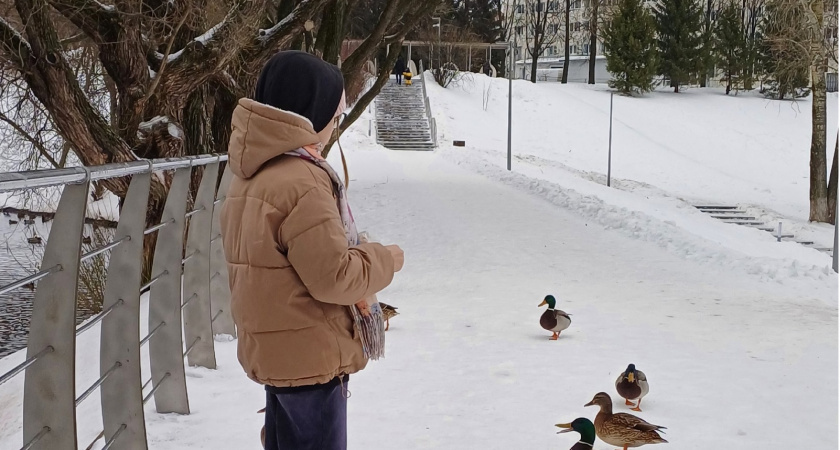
column 292, row 274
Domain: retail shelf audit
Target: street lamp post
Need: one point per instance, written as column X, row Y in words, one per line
column 510, row 104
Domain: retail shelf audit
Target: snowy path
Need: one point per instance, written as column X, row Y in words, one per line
column 732, row 360
column 468, row 367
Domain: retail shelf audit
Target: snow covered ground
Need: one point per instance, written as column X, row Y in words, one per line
column 739, row 344
column 669, row 150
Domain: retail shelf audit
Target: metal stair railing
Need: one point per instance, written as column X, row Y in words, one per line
column 432, row 121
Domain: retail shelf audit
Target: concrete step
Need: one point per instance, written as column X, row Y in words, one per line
column 723, row 211
column 732, row 217
column 714, row 207
column 743, row 222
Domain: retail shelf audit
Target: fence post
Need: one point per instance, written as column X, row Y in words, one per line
column 121, row 394
column 219, row 284
column 197, row 314
column 166, row 356
column 50, row 384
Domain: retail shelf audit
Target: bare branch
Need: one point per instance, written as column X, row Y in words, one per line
column 93, row 18
column 14, row 47
column 31, row 139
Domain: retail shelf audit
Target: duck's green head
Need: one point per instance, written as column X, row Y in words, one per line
column 583, row 426
column 550, row 301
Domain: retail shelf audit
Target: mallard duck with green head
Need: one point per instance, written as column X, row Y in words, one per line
column 586, row 430
column 632, row 384
column 554, row 320
column 622, row 429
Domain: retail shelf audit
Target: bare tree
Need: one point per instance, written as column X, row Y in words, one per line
column 806, row 20
column 594, row 6
column 542, row 24
column 168, row 72
column 751, row 13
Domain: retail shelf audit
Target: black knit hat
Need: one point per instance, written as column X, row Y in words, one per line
column 301, row 83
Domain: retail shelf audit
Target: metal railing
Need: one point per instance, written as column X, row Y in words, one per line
column 432, row 121
column 200, row 277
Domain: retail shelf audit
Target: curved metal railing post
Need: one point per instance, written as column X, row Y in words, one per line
column 196, row 293
column 166, row 345
column 121, row 395
column 219, row 284
column 49, row 404
column 50, row 385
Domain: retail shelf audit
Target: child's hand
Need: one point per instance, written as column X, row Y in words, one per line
column 364, row 308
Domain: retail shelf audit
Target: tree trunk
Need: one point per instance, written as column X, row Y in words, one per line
column 565, row 78
column 593, row 40
column 707, row 33
column 818, row 191
column 331, row 31
column 534, row 62
column 832, row 185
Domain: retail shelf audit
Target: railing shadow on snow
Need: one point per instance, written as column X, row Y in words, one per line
column 189, row 301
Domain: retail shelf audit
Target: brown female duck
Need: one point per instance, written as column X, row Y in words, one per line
column 621, row 429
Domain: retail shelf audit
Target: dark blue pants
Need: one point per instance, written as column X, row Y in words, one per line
column 399, row 78
column 307, row 418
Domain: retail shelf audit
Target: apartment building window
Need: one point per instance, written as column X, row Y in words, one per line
column 576, row 4
column 576, row 26
column 519, row 30
column 585, row 49
column 520, row 9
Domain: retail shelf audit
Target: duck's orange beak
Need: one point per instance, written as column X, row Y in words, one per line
column 590, row 403
column 631, row 378
column 543, row 303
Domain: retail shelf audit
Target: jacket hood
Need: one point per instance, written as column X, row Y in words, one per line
column 260, row 133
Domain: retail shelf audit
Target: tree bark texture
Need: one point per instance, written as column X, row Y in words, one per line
column 819, row 182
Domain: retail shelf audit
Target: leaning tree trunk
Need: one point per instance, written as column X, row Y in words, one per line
column 818, row 191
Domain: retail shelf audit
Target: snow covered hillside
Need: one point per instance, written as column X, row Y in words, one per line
column 670, row 152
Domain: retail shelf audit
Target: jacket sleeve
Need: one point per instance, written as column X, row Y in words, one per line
column 317, row 249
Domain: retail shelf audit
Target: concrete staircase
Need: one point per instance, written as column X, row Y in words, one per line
column 402, row 122
column 736, row 216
